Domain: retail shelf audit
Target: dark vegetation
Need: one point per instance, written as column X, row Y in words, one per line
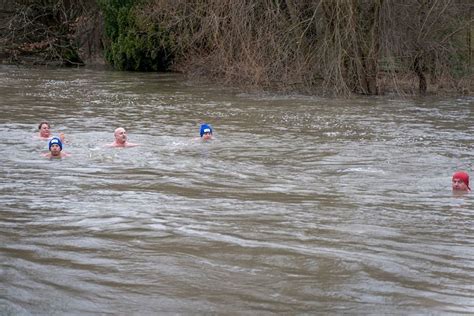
column 50, row 32
column 315, row 46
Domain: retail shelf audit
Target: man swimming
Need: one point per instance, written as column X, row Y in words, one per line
column 121, row 139
column 45, row 132
column 206, row 132
column 460, row 181
column 55, row 147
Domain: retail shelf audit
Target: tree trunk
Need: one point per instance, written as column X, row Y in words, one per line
column 372, row 59
column 417, row 65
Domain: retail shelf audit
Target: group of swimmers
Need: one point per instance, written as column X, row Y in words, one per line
column 55, row 145
column 460, row 179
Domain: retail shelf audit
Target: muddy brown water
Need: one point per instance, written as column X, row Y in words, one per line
column 300, row 204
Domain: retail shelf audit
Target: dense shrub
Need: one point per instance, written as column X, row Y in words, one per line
column 134, row 43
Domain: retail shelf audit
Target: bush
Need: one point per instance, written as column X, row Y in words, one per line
column 134, row 42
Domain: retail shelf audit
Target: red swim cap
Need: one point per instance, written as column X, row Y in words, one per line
column 463, row 176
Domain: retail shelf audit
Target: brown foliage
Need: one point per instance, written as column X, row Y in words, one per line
column 341, row 46
column 426, row 37
column 50, row 31
column 344, row 46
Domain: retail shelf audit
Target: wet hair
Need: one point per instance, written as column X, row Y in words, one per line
column 41, row 124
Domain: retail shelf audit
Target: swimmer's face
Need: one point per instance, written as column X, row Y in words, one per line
column 55, row 150
column 459, row 185
column 44, row 130
column 120, row 135
column 207, row 136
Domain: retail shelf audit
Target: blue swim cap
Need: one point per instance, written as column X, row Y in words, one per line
column 205, row 128
column 55, row 140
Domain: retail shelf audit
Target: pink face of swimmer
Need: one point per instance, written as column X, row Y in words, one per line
column 120, row 136
column 460, row 181
column 55, row 147
column 44, row 130
column 55, row 150
column 207, row 135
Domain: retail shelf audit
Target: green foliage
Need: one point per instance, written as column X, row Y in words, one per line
column 135, row 43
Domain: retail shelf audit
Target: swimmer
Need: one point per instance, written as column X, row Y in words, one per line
column 460, row 181
column 121, row 139
column 206, row 132
column 55, row 149
column 45, row 132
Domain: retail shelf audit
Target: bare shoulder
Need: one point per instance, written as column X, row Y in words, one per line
column 115, row 145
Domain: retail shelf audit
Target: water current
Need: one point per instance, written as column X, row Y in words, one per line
column 300, row 205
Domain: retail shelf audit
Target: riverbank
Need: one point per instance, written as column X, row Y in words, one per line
column 403, row 86
column 322, row 48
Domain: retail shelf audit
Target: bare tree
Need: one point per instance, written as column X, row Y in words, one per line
column 48, row 31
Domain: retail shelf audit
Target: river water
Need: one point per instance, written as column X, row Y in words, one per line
column 300, row 204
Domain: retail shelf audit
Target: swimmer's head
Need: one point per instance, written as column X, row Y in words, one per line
column 120, row 135
column 461, row 181
column 55, row 141
column 44, row 129
column 40, row 126
column 205, row 129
